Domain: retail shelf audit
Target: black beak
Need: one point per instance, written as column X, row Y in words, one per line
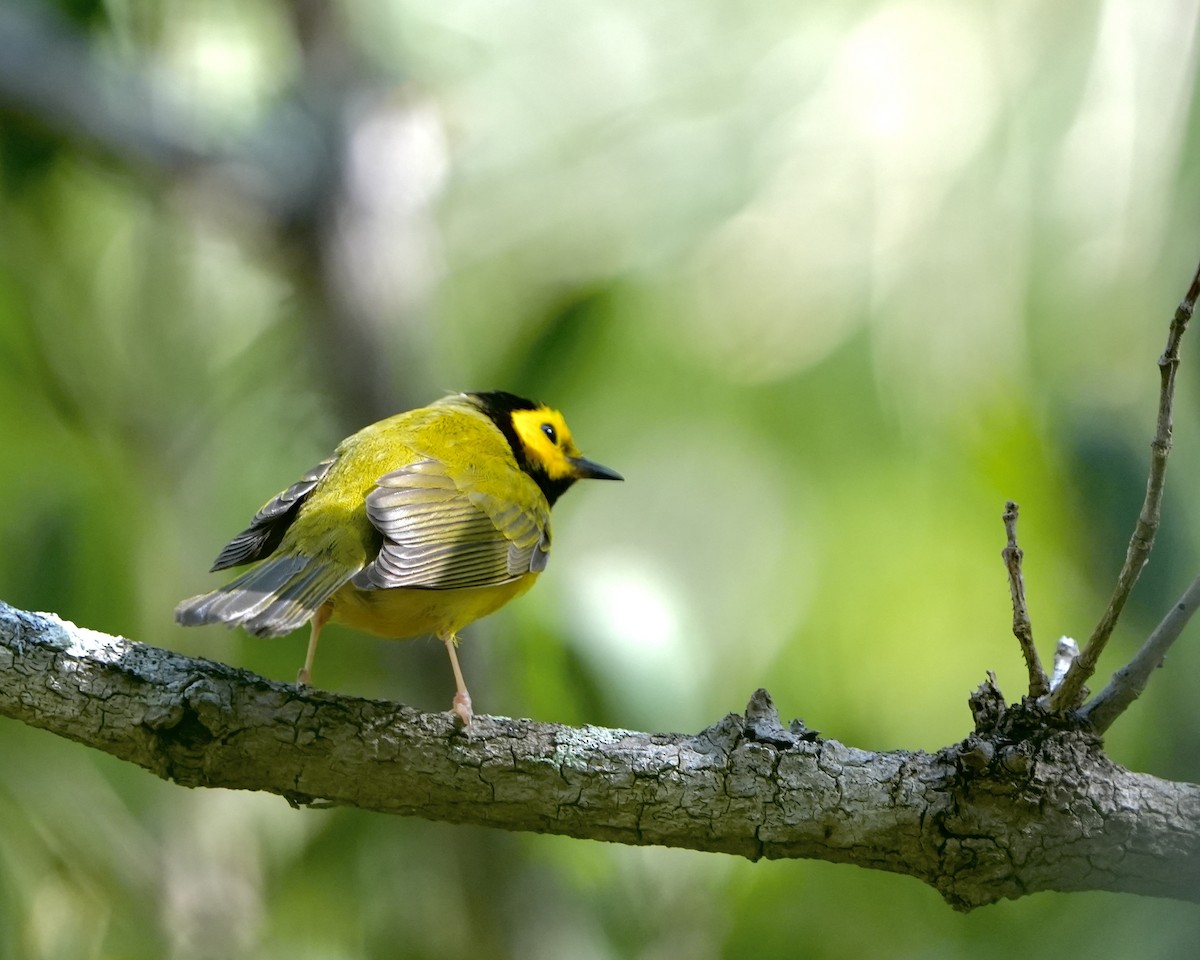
column 587, row 470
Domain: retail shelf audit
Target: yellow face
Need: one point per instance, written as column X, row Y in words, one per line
column 547, row 441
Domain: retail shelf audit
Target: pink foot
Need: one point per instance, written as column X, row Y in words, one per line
column 462, row 707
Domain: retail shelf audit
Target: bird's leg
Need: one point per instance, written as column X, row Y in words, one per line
column 319, row 619
column 462, row 699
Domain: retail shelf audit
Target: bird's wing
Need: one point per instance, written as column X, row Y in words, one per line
column 268, row 526
column 438, row 534
column 270, row 599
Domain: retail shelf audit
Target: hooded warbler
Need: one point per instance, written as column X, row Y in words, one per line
column 418, row 524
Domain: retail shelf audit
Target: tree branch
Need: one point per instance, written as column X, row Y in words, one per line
column 287, row 173
column 50, row 77
column 1015, row 808
column 1128, row 683
column 1070, row 692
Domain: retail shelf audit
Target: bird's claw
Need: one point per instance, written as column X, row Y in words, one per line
column 462, row 707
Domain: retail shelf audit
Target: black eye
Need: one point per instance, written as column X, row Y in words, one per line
column 550, row 433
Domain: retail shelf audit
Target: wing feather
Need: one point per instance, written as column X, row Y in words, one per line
column 438, row 536
column 268, row 526
column 271, row 599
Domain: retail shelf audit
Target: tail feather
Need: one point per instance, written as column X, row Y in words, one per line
column 272, row 599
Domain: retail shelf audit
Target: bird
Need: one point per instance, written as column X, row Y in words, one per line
column 419, row 524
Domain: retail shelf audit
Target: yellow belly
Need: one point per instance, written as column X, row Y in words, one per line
column 401, row 613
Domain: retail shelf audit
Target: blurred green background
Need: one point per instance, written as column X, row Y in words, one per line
column 827, row 283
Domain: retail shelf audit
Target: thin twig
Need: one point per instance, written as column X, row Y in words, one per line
column 1068, row 695
column 1128, row 683
column 1039, row 686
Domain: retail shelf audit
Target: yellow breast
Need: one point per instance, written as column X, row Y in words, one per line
column 401, row 613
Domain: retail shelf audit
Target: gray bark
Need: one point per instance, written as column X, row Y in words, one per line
column 1017, row 807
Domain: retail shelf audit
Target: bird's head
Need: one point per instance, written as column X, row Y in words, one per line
column 541, row 442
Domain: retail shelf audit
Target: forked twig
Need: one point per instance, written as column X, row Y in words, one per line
column 1022, row 627
column 1128, row 683
column 1068, row 695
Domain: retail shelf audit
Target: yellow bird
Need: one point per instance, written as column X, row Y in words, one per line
column 418, row 524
